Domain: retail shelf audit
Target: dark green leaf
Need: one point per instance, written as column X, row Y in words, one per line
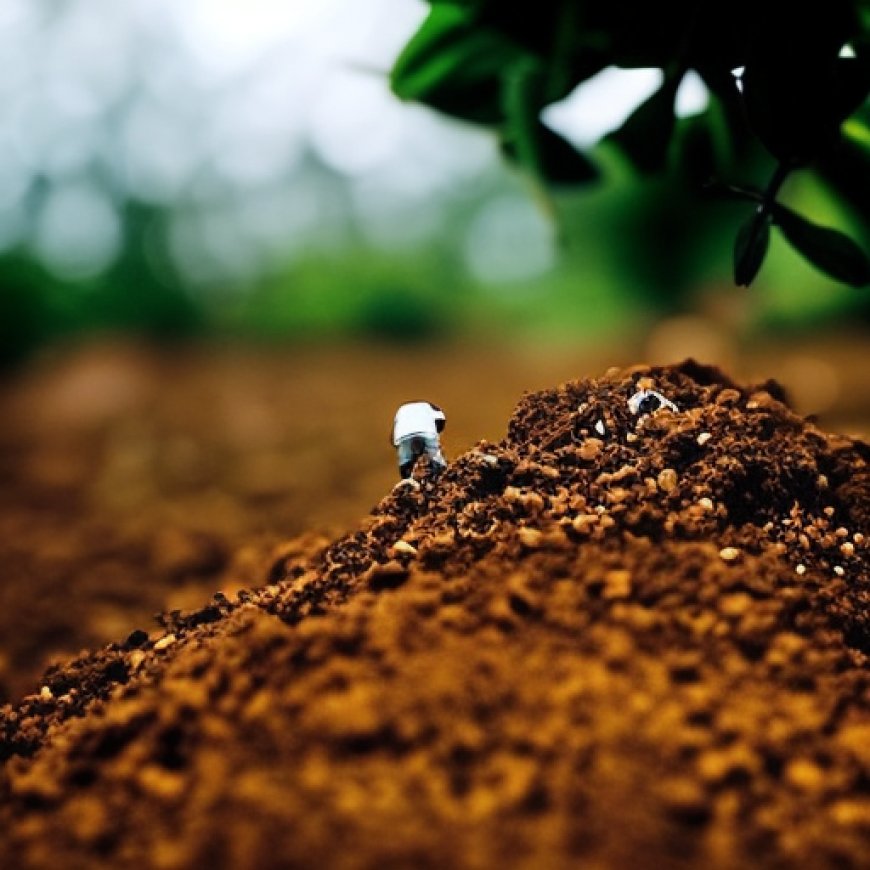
column 850, row 86
column 796, row 88
column 561, row 162
column 847, row 168
column 455, row 65
column 750, row 248
column 829, row 250
column 720, row 190
column 557, row 161
column 523, row 99
column 695, row 149
column 645, row 136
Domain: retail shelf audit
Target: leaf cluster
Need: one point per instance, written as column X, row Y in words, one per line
column 782, row 77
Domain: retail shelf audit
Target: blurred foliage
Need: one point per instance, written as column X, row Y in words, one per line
column 782, row 78
column 140, row 293
column 353, row 292
column 647, row 243
column 352, row 289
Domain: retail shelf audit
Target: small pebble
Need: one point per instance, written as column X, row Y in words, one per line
column 165, row 642
column 735, row 604
column 829, row 511
column 590, row 448
column 582, row 523
column 617, row 584
column 45, row 694
column 728, row 397
column 631, row 437
column 842, row 533
column 858, row 538
column 529, row 537
column 804, row 774
column 729, row 554
column 847, row 548
column 801, row 570
column 667, row 480
column 703, row 438
column 839, row 570
column 599, row 427
column 706, row 503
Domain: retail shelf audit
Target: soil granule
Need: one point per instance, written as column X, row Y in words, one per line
column 603, row 642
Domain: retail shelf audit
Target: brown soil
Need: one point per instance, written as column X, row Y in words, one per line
column 647, row 648
column 134, row 482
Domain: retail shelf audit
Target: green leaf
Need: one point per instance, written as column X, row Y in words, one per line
column 719, row 190
column 455, row 65
column 525, row 139
column 796, row 88
column 646, row 134
column 561, row 162
column 847, row 168
column 827, row 249
column 851, row 85
column 750, row 248
column 557, row 161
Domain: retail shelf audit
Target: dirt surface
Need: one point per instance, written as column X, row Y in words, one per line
column 135, row 481
column 646, row 647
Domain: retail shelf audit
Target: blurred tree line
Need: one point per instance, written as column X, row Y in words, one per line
column 641, row 222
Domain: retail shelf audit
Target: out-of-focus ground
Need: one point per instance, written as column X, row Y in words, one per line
column 136, row 480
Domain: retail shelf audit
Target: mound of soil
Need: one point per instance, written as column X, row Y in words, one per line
column 605, row 641
column 136, row 480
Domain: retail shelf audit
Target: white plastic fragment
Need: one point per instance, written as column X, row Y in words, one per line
column 648, row 402
column 599, row 428
column 404, row 547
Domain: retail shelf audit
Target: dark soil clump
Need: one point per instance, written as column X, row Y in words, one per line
column 604, row 641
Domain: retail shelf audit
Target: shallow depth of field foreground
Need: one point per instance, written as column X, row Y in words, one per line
column 641, row 648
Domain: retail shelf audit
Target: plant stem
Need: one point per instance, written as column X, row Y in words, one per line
column 780, row 174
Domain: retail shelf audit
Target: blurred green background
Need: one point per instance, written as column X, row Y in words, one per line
column 215, row 169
